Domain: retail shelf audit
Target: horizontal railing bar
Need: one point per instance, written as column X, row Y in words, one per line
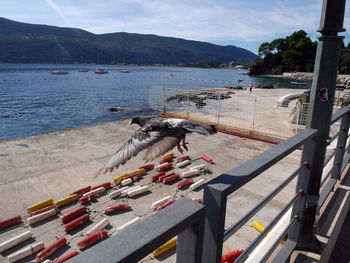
column 334, row 136
column 242, row 174
column 257, row 240
column 233, row 229
column 329, row 158
column 339, row 114
column 326, row 176
column 279, row 239
column 141, row 239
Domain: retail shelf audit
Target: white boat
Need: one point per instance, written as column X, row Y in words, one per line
column 101, row 71
column 125, row 71
column 298, row 83
column 59, row 72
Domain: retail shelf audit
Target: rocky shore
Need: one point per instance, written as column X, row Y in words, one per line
column 343, row 81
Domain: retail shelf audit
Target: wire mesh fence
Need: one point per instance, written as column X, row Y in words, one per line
column 237, row 108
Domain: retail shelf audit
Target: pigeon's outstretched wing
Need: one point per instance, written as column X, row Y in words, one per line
column 158, row 136
column 154, row 139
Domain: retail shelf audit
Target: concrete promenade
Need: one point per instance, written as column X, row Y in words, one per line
column 52, row 165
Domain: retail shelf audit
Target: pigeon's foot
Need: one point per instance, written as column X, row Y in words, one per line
column 179, row 148
column 184, row 144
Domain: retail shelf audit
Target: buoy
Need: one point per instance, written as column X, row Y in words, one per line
column 40, row 217
column 166, row 159
column 98, row 226
column 184, row 183
column 138, row 191
column 73, row 214
column 182, row 158
column 190, row 173
column 165, row 167
column 147, row 167
column 25, row 252
column 165, row 247
column 182, row 164
column 95, row 191
column 232, row 256
column 119, row 178
column 76, row 222
column 141, row 170
column 200, row 167
column 40, row 205
column 104, row 185
column 169, row 154
column 82, row 190
column 117, row 193
column 126, row 182
column 161, row 178
column 206, row 158
column 197, row 184
column 126, row 191
column 159, row 202
column 171, row 178
column 258, row 226
column 65, row 258
column 67, row 200
column 159, row 165
column 131, row 222
column 116, row 208
column 15, row 241
column 94, row 237
column 198, row 200
column 10, row 221
column 133, row 176
column 87, row 198
column 51, row 249
column 42, row 210
column 156, row 176
column 164, row 205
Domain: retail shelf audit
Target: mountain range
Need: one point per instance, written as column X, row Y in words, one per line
column 31, row 43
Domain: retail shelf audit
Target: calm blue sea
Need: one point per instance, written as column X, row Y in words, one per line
column 34, row 101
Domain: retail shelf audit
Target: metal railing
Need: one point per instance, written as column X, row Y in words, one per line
column 200, row 229
column 185, row 218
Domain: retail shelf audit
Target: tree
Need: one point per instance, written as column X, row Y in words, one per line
column 295, row 52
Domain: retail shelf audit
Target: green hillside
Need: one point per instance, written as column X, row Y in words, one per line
column 28, row 43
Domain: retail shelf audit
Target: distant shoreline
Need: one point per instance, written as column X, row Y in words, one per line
column 342, row 80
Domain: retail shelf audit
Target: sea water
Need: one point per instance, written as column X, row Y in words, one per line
column 34, row 101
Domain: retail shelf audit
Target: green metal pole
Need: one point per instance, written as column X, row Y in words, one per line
column 319, row 117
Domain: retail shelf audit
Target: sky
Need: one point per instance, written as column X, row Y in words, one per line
column 244, row 23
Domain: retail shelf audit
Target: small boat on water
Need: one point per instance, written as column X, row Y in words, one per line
column 101, row 71
column 298, row 83
column 239, row 80
column 59, row 72
column 125, row 71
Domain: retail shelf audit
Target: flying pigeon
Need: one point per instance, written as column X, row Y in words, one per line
column 157, row 136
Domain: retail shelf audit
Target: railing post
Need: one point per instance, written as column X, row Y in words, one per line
column 190, row 244
column 215, row 205
column 341, row 144
column 319, row 117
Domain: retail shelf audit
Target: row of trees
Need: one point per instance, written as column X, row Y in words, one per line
column 294, row 53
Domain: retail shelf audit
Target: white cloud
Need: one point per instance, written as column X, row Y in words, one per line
column 204, row 20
